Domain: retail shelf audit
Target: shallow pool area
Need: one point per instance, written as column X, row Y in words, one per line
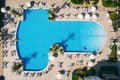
column 36, row 34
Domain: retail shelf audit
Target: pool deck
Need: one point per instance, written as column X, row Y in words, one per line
column 1, row 60
column 103, row 19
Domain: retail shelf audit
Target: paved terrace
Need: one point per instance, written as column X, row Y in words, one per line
column 67, row 61
column 1, row 60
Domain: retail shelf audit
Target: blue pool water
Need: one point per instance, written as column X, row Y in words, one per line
column 36, row 34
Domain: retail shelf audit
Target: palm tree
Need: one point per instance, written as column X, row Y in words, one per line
column 16, row 67
column 13, row 11
column 56, row 48
column 51, row 14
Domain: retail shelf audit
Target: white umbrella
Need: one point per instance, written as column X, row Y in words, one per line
column 28, row 4
column 87, row 16
column 80, row 16
column 59, row 76
column 74, row 9
column 110, row 20
column 51, row 58
column 90, row 64
column 107, row 14
column 93, row 9
column 40, row 4
column 94, row 16
column 92, row 56
column 118, row 52
column 3, row 9
column 66, row 6
column 111, row 28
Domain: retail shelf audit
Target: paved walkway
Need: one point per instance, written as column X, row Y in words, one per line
column 1, row 60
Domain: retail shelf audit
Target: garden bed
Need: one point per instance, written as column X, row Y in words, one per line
column 109, row 3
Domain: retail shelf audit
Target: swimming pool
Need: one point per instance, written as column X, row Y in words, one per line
column 36, row 34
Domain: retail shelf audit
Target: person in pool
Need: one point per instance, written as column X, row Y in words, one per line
column 84, row 48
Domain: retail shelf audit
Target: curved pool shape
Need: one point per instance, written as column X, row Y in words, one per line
column 36, row 34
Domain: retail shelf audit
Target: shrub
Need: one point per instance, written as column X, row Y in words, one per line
column 113, row 16
column 77, row 1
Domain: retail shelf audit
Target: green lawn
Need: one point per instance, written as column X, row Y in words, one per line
column 80, row 2
column 109, row 3
column 77, row 1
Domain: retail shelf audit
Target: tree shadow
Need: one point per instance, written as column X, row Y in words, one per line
column 57, row 9
column 26, row 12
column 6, row 35
column 32, row 3
column 63, row 42
column 28, row 58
